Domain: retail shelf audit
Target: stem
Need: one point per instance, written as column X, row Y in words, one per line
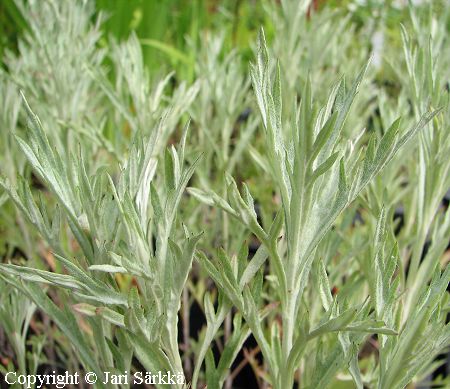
column 413, row 269
column 286, row 376
column 227, row 333
column 186, row 331
column 175, row 358
column 227, row 326
column 209, row 337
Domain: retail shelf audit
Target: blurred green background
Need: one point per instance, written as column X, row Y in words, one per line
column 170, row 30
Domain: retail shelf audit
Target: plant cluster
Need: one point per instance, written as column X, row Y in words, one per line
column 289, row 216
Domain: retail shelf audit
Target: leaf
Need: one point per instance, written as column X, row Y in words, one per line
column 172, row 52
column 338, row 323
column 211, row 373
column 323, row 168
column 226, row 286
column 354, row 367
column 108, row 268
column 170, row 180
column 42, row 276
column 95, row 289
column 108, row 314
column 371, row 327
column 232, row 347
column 183, row 263
column 149, row 355
column 323, row 136
column 324, row 286
column 253, row 266
column 387, row 141
column 212, row 199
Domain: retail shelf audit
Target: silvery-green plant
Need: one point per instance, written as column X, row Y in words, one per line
column 112, row 223
column 317, row 176
column 107, row 246
column 58, row 44
column 16, row 312
column 137, row 101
